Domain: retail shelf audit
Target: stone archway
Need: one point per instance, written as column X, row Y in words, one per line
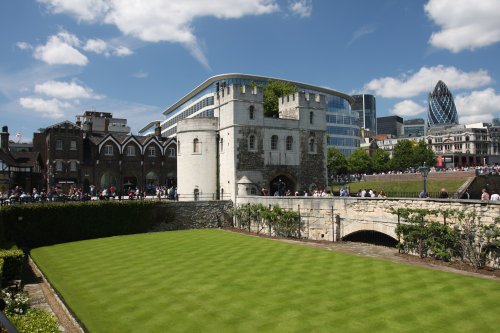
column 151, row 181
column 280, row 184
column 107, row 179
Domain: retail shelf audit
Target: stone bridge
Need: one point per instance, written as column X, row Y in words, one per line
column 334, row 218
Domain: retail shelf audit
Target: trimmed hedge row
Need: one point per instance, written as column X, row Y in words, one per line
column 35, row 225
column 11, row 265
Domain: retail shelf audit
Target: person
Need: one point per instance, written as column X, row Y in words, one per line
column 382, row 194
column 465, row 195
column 495, row 197
column 443, row 194
column 485, row 195
column 423, row 195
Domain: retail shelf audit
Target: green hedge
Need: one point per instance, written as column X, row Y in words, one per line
column 12, row 265
column 35, row 225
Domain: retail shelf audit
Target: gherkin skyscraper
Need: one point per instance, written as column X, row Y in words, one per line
column 442, row 110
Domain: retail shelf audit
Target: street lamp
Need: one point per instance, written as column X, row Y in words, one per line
column 424, row 171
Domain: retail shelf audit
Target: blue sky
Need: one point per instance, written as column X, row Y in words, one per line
column 135, row 58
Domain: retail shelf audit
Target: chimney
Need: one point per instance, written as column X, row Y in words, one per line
column 78, row 122
column 4, row 138
column 89, row 127
column 158, row 130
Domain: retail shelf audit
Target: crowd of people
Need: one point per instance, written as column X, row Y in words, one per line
column 18, row 195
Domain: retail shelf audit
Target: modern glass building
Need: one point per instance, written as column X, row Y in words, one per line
column 342, row 123
column 414, row 128
column 442, row 110
column 365, row 106
column 392, row 125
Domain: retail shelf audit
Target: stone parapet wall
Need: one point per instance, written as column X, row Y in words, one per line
column 333, row 218
column 179, row 215
column 432, row 175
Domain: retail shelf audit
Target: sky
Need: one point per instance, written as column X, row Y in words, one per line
column 135, row 58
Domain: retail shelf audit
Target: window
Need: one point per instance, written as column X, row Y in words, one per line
column 108, row 150
column 151, row 151
column 274, row 142
column 251, row 112
column 312, row 145
column 59, row 145
column 130, row 150
column 72, row 166
column 221, row 145
column 251, row 142
column 59, row 166
column 311, row 117
column 196, row 146
column 171, row 152
column 289, row 143
column 72, row 145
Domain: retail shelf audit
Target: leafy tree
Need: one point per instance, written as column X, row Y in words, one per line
column 381, row 160
column 336, row 162
column 402, row 158
column 272, row 91
column 423, row 154
column 359, row 161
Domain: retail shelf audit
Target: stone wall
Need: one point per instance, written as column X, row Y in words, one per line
column 179, row 215
column 332, row 218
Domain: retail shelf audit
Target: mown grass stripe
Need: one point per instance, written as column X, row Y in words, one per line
column 215, row 281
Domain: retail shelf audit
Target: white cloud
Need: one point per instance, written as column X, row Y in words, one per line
column 24, row 46
column 408, row 108
column 101, row 47
column 303, row 8
column 424, row 81
column 478, row 106
column 157, row 21
column 65, row 90
column 60, row 50
column 50, row 108
column 122, row 51
column 465, row 24
column 96, row 45
column 360, row 32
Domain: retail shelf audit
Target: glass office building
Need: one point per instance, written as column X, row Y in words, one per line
column 365, row 106
column 342, row 123
column 442, row 110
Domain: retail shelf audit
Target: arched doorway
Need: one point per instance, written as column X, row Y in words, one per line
column 129, row 184
column 107, row 179
column 282, row 184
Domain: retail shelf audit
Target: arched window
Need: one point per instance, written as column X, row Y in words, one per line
column 312, row 145
column 178, row 147
column 274, row 142
column 251, row 142
column 251, row 112
column 130, row 150
column 108, row 150
column 196, row 194
column 196, row 146
column 221, row 145
column 289, row 143
column 311, row 117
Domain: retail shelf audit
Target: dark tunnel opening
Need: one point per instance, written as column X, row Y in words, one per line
column 371, row 237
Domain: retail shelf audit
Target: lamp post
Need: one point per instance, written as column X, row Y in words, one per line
column 424, row 171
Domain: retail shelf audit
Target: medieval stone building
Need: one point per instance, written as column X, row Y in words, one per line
column 239, row 151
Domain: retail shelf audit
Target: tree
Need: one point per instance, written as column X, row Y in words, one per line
column 336, row 162
column 359, row 161
column 423, row 154
column 272, row 91
column 402, row 158
column 380, row 160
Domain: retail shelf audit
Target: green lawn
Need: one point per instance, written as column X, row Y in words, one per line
column 217, row 281
column 434, row 185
